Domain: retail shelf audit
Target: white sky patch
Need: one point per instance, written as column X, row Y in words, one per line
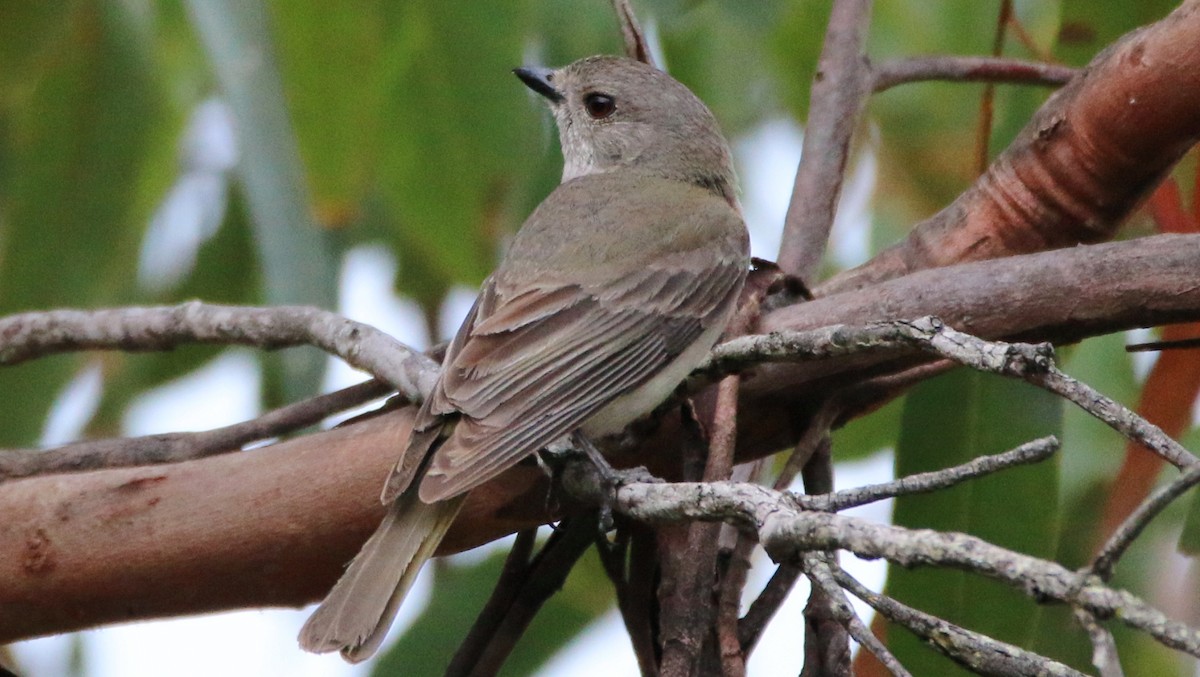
column 454, row 310
column 74, row 407
column 222, row 392
column 194, row 207
column 767, row 158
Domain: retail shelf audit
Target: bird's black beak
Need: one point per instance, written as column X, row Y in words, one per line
column 538, row 79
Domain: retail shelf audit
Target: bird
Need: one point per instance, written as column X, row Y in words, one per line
column 617, row 286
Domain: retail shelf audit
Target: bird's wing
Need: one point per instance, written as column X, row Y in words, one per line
column 545, row 360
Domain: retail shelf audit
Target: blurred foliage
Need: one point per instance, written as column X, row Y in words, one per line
column 373, row 121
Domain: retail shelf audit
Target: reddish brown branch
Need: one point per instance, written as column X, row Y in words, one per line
column 1091, row 154
column 969, row 69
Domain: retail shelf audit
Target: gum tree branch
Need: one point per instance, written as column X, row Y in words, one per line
column 1032, row 363
column 1095, row 149
column 820, row 572
column 1132, row 527
column 308, row 535
column 37, row 334
column 977, row 652
column 968, row 69
column 176, row 447
column 922, row 483
column 839, row 92
column 786, row 531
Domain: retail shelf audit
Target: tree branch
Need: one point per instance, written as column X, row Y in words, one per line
column 175, row 447
column 968, row 69
column 839, row 92
column 786, row 531
column 820, row 573
column 980, row 653
column 1095, row 149
column 31, row 335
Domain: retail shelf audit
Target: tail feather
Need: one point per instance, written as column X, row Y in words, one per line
column 356, row 614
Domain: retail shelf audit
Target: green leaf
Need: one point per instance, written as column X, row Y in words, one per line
column 869, row 434
column 1085, row 30
column 947, row 421
column 77, row 132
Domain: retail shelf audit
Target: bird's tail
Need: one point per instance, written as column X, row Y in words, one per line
column 356, row 614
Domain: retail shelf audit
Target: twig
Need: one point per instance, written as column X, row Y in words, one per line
column 620, row 559
column 485, row 652
column 839, row 92
column 1133, row 525
column 969, row 69
column 980, row 653
column 1104, row 647
column 785, row 530
column 1028, row 453
column 983, row 133
column 499, row 604
column 820, row 571
column 826, row 632
column 813, row 442
column 1030, row 362
column 688, row 576
column 764, row 607
column 636, row 46
column 31, row 335
column 175, row 447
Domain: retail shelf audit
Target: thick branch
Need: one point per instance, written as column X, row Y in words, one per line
column 1094, row 150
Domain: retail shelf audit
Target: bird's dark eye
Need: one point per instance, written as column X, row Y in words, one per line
column 599, row 106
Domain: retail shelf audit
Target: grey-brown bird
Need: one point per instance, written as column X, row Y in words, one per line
column 614, row 289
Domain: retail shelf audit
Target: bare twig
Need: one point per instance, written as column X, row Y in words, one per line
column 785, row 530
column 980, row 653
column 969, row 69
column 813, row 442
column 496, row 633
column 764, row 607
column 175, row 447
column 1104, row 647
column 31, row 335
column 499, row 603
column 1030, row 452
column 1133, row 525
column 820, row 571
column 826, row 631
column 983, row 133
column 636, row 46
column 1033, row 363
column 689, row 575
column 839, row 91
column 622, row 563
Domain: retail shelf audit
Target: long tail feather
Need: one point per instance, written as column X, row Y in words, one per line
column 356, row 614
